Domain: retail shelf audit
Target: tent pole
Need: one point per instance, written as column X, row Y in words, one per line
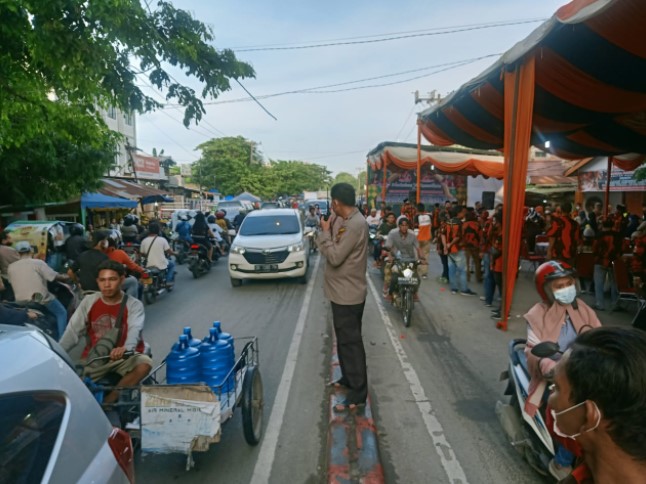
column 607, row 194
column 519, row 85
column 419, row 162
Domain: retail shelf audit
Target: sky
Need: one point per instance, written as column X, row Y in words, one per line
column 336, row 129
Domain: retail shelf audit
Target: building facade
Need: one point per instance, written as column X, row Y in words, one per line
column 125, row 124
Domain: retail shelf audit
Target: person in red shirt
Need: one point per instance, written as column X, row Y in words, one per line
column 96, row 315
column 471, row 235
column 435, row 221
column 565, row 236
column 409, row 211
column 130, row 283
column 495, row 238
column 606, row 248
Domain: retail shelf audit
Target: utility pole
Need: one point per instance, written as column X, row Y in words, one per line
column 433, row 98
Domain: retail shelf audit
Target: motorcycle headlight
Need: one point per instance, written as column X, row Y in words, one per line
column 236, row 249
column 408, row 273
column 296, row 247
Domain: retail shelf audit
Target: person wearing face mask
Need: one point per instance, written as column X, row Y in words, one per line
column 598, row 405
column 559, row 318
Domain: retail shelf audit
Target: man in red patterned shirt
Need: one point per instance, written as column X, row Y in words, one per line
column 96, row 315
column 409, row 211
column 565, row 236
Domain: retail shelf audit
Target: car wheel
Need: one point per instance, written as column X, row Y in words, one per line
column 236, row 282
column 303, row 278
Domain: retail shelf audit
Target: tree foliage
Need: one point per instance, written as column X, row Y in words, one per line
column 235, row 165
column 61, row 59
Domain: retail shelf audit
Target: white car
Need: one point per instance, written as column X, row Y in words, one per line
column 270, row 244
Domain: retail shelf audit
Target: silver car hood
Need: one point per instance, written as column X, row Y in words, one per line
column 267, row 242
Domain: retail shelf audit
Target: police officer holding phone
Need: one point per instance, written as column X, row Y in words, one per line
column 343, row 241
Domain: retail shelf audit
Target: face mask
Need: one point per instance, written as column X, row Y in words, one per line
column 560, row 433
column 567, row 295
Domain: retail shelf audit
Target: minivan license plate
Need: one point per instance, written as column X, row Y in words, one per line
column 266, row 267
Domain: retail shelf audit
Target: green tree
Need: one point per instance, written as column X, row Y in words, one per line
column 233, row 162
column 344, row 177
column 60, row 60
column 294, row 177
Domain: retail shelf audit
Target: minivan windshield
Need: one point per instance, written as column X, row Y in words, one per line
column 270, row 225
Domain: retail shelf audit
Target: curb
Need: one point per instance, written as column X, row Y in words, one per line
column 353, row 450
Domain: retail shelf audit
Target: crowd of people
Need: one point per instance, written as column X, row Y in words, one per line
column 468, row 241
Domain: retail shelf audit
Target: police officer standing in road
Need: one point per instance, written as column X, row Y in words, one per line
column 343, row 241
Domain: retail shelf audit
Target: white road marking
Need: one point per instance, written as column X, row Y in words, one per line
column 267, row 454
column 434, row 428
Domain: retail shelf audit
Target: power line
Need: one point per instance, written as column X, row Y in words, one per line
column 317, row 89
column 256, row 100
column 405, row 123
column 239, row 48
column 396, row 37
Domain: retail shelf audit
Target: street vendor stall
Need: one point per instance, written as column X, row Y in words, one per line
column 574, row 86
column 101, row 208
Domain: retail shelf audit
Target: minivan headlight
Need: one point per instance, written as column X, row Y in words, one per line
column 296, row 247
column 236, row 249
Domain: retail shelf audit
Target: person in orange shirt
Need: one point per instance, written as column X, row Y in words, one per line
column 409, row 211
column 471, row 235
column 424, row 224
column 435, row 222
column 130, row 284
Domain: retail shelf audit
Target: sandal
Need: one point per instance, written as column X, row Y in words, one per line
column 344, row 405
column 341, row 382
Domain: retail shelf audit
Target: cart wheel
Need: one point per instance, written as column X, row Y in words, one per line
column 252, row 405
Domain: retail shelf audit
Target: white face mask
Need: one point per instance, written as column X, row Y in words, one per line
column 560, row 433
column 566, row 295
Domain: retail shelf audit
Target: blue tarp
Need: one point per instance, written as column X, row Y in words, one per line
column 99, row 200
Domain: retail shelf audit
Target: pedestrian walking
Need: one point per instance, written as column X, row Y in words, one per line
column 343, row 243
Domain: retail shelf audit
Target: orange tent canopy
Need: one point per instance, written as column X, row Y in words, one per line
column 576, row 81
column 455, row 161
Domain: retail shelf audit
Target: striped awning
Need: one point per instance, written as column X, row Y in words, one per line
column 456, row 161
column 589, row 87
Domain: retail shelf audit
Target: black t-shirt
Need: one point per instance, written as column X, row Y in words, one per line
column 86, row 267
column 74, row 246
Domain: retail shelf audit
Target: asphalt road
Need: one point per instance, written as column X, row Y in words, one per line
column 434, row 385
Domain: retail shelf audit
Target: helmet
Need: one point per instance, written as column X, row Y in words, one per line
column 219, row 214
column 192, row 214
column 183, row 217
column 211, row 219
column 548, row 272
column 129, row 220
column 77, row 229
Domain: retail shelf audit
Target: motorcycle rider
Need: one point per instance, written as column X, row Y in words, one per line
column 373, row 219
column 224, row 224
column 84, row 269
column 96, row 315
column 598, row 403
column 129, row 229
column 217, row 233
column 202, row 234
column 156, row 250
column 238, row 219
column 76, row 243
column 559, row 317
column 29, row 278
column 406, row 244
column 130, row 284
column 311, row 219
column 8, row 255
column 387, row 224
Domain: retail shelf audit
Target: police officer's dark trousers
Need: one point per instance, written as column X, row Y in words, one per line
column 352, row 355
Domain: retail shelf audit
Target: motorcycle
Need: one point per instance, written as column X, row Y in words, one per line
column 404, row 273
column 154, row 282
column 528, row 435
column 181, row 248
column 198, row 260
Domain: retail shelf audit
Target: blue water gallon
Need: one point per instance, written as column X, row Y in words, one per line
column 183, row 363
column 193, row 342
column 225, row 336
column 216, row 362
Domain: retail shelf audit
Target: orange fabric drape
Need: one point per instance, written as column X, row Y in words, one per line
column 384, row 186
column 629, row 164
column 432, row 133
column 418, row 176
column 519, row 105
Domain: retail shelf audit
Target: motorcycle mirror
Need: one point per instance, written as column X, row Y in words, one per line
column 546, row 349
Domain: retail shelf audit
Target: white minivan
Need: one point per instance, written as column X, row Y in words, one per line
column 270, row 244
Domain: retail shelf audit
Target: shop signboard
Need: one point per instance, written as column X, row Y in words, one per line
column 620, row 181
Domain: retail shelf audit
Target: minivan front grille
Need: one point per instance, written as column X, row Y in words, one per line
column 266, row 257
